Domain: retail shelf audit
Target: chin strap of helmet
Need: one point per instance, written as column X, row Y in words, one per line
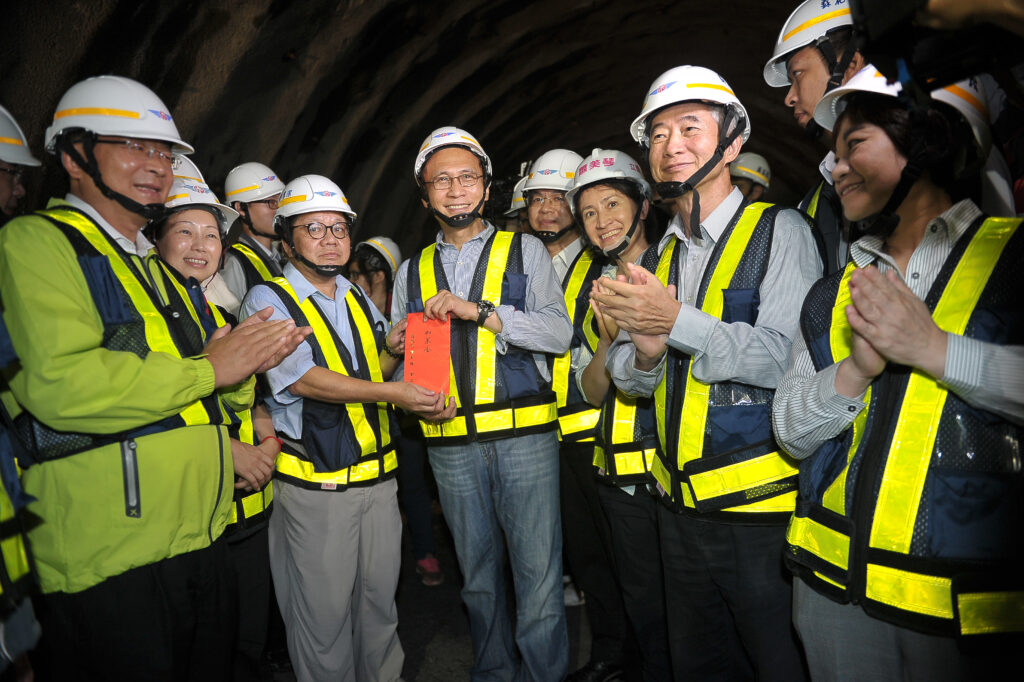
column 673, row 190
column 837, row 70
column 617, row 250
column 885, row 222
column 284, row 231
column 150, row 212
column 243, row 215
column 552, row 237
column 463, row 219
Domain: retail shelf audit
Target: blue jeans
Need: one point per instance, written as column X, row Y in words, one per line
column 508, row 486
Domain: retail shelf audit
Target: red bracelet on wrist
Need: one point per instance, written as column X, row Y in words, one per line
column 280, row 443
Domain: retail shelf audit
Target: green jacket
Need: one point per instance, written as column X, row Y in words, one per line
column 70, row 382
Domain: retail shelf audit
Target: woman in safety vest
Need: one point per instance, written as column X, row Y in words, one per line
column 905, row 402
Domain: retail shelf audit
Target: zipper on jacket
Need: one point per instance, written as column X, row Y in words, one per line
column 220, row 482
column 130, row 473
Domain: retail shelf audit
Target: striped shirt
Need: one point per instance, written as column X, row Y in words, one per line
column 808, row 410
column 721, row 351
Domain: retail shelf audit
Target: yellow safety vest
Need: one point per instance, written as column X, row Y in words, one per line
column 155, row 330
column 370, row 422
column 576, row 419
column 759, row 480
column 254, row 260
column 854, row 541
column 490, row 420
column 248, row 509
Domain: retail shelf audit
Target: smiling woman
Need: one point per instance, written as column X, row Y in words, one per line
column 190, row 242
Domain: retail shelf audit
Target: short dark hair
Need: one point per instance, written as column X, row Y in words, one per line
column 841, row 39
column 944, row 144
column 370, row 261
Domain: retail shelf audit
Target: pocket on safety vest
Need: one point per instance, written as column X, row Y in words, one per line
column 740, row 305
column 325, row 436
column 974, row 514
column 513, row 290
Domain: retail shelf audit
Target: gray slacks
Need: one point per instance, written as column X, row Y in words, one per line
column 335, row 559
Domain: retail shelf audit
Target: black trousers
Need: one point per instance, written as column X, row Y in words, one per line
column 729, row 601
column 171, row 620
column 250, row 557
column 633, row 522
column 586, row 544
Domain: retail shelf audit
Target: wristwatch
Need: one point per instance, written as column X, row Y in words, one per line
column 484, row 310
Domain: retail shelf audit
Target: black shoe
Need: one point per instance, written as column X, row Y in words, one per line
column 596, row 671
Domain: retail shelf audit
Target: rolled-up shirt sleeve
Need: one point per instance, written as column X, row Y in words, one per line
column 755, row 354
column 544, row 326
column 293, row 367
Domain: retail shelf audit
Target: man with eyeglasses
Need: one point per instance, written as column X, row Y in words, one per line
column 253, row 190
column 14, row 156
column 495, row 454
column 121, row 412
column 335, row 535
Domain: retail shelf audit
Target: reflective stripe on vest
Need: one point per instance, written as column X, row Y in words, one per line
column 16, row 576
column 906, row 467
column 741, row 477
column 253, row 258
column 812, row 206
column 158, row 335
column 576, row 422
column 294, row 466
column 619, row 457
column 503, row 420
column 248, row 507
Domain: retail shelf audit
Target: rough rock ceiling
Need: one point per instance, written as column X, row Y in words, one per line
column 350, row 89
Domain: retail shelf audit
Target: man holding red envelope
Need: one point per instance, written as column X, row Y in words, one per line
column 495, row 453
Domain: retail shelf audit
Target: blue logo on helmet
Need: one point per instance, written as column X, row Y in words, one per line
column 661, row 88
column 325, row 193
column 162, row 115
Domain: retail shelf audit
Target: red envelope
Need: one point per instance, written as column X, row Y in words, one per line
column 427, row 353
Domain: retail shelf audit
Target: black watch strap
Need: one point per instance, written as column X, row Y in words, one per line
column 484, row 310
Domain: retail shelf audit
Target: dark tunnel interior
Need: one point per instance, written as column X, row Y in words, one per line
column 349, row 89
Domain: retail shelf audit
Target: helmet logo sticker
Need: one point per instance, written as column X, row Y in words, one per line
column 440, row 135
column 196, row 189
column 325, row 193
column 269, row 178
column 547, row 171
column 162, row 115
column 661, row 88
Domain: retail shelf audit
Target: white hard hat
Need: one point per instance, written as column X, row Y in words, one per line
column 970, row 99
column 309, row 193
column 753, row 167
column 13, row 144
column 186, row 192
column 518, row 200
column 966, row 97
column 868, row 79
column 686, row 84
column 186, row 169
column 808, row 23
column 553, row 170
column 450, row 136
column 388, row 249
column 112, row 105
column 251, row 182
column 603, row 165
